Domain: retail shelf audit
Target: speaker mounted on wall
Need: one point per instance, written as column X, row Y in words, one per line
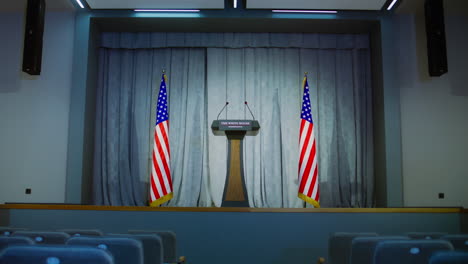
column 33, row 35
column 435, row 34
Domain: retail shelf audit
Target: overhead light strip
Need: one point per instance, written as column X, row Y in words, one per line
column 80, row 4
column 235, row 4
column 391, row 4
column 306, row 11
column 167, row 10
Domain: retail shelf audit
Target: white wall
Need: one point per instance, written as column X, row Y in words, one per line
column 434, row 112
column 34, row 111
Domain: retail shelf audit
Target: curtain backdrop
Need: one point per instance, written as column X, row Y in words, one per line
column 207, row 69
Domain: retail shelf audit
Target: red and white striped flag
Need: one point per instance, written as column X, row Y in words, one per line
column 308, row 167
column 160, row 180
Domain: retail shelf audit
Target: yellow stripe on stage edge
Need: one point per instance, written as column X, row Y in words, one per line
column 162, row 200
column 309, row 200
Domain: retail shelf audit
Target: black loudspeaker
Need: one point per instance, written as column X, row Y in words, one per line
column 435, row 33
column 34, row 30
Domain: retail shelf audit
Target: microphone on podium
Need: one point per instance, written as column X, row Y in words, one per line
column 217, row 118
column 249, row 109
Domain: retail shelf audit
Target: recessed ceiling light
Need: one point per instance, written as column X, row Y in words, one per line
column 80, row 4
column 391, row 4
column 167, row 10
column 306, row 11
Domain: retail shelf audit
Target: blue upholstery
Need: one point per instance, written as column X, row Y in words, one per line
column 49, row 254
column 82, row 232
column 363, row 248
column 125, row 250
column 7, row 231
column 425, row 235
column 7, row 241
column 339, row 246
column 169, row 242
column 44, row 237
column 152, row 246
column 408, row 251
column 459, row 242
column 449, row 257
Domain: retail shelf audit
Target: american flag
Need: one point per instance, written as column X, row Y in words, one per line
column 308, row 169
column 160, row 180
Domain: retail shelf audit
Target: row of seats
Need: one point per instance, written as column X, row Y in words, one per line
column 137, row 246
column 55, row 255
column 412, row 248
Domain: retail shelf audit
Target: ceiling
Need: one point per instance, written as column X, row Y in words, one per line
column 317, row 4
column 254, row 4
column 403, row 6
column 160, row 4
column 17, row 5
column 20, row 5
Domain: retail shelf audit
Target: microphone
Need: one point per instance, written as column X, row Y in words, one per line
column 217, row 118
column 249, row 109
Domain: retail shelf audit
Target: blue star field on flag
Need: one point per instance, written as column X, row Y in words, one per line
column 162, row 113
column 306, row 112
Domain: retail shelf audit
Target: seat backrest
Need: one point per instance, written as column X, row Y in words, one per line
column 339, row 246
column 125, row 250
column 459, row 242
column 44, row 237
column 362, row 248
column 425, row 235
column 54, row 254
column 408, row 251
column 169, row 241
column 449, row 257
column 6, row 230
column 152, row 246
column 82, row 232
column 7, row 241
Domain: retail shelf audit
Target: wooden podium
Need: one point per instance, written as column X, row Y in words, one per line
column 235, row 193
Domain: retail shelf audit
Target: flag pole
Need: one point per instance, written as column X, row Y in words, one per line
column 164, row 74
column 303, row 81
column 302, row 90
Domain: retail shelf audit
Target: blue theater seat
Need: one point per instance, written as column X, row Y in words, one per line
column 169, row 242
column 152, row 246
column 7, row 241
column 6, row 230
column 459, row 242
column 363, row 248
column 339, row 246
column 450, row 257
column 82, row 232
column 44, row 237
column 49, row 254
column 124, row 250
column 408, row 251
column 425, row 235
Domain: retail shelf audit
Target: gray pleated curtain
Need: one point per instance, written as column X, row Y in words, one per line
column 204, row 71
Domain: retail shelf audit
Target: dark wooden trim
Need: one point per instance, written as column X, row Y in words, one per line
column 232, row 209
